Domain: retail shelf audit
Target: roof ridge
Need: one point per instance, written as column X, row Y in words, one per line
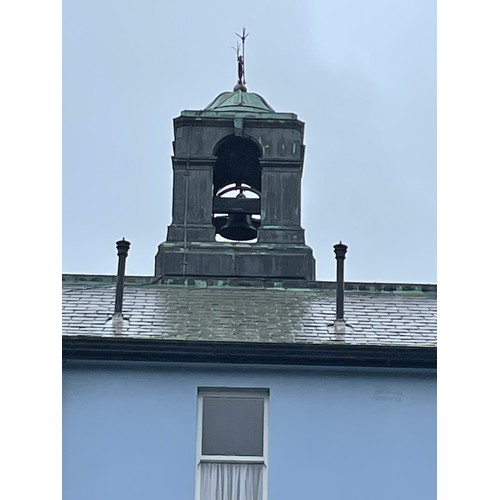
column 205, row 281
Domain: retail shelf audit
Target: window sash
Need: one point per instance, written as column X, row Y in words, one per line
column 232, row 459
column 233, row 425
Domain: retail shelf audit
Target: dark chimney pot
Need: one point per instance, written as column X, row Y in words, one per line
column 122, row 246
column 340, row 251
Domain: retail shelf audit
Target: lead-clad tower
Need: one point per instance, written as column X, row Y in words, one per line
column 237, row 192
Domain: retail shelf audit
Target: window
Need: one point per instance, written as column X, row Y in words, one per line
column 232, row 444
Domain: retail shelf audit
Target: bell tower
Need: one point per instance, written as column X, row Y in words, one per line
column 237, row 170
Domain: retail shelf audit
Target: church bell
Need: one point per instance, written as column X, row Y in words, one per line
column 239, row 226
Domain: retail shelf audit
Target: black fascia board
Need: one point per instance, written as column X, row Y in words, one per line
column 133, row 349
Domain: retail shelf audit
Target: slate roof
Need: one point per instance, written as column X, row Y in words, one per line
column 251, row 311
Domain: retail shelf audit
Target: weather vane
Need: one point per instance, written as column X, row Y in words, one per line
column 241, row 57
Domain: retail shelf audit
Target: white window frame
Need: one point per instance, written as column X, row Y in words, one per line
column 226, row 392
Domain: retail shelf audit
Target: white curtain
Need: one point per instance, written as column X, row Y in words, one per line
column 231, row 481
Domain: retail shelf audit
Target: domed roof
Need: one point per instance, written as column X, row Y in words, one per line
column 239, row 100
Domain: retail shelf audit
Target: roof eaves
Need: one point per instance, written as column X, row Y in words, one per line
column 120, row 349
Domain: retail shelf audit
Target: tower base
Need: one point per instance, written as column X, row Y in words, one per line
column 228, row 260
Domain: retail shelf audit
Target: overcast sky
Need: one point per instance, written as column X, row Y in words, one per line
column 361, row 74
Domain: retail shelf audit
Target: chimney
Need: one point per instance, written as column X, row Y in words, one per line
column 122, row 246
column 340, row 251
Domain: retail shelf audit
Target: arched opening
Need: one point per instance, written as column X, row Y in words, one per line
column 236, row 189
column 237, row 161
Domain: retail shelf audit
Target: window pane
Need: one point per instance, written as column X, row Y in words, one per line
column 232, row 426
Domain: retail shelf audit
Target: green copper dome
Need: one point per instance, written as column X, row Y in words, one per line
column 239, row 100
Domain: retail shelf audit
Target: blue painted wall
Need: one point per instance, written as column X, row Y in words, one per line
column 129, row 431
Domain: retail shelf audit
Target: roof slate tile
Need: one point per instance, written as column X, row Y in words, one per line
column 259, row 314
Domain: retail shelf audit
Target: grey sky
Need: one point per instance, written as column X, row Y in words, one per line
column 361, row 74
